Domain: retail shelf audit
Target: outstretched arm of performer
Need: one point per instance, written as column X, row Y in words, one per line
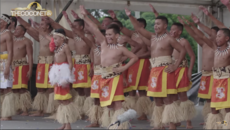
column 135, row 23
column 133, row 58
column 56, row 25
column 29, row 51
column 94, row 28
column 112, row 14
column 124, row 39
column 226, row 3
column 206, row 29
column 191, row 54
column 30, row 30
column 93, row 19
column 171, row 68
column 216, row 21
column 9, row 45
column 85, row 39
column 69, row 57
column 191, row 32
column 154, row 10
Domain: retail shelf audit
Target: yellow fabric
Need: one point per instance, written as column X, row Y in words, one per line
column 226, row 103
column 39, row 85
column 84, row 85
column 207, row 96
column 20, row 85
column 112, row 95
column 62, row 97
column 94, row 95
column 139, row 74
column 181, row 73
column 4, row 56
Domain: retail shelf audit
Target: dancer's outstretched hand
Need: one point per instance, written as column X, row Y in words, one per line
column 83, row 10
column 225, row 2
column 205, row 10
column 180, row 20
column 112, row 14
column 128, row 12
column 195, row 19
column 75, row 15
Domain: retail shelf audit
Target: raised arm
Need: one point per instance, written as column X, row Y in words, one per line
column 135, row 23
column 93, row 19
column 84, row 38
column 94, row 29
column 112, row 14
column 216, row 21
column 206, row 29
column 29, row 51
column 30, row 30
column 226, row 3
column 154, row 10
column 191, row 32
column 56, row 25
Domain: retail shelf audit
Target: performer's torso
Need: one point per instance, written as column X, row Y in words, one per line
column 44, row 47
column 20, row 49
column 161, row 48
column 81, row 47
column 207, row 58
column 3, row 38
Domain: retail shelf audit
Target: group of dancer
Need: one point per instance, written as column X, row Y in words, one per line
column 82, row 72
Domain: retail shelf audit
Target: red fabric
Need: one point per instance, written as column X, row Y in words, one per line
column 52, row 45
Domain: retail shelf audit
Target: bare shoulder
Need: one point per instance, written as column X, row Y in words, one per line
column 28, row 41
column 66, row 47
column 8, row 35
column 184, row 42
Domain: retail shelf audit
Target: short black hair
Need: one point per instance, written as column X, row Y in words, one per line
column 215, row 28
column 226, row 31
column 118, row 22
column 163, row 18
column 141, row 20
column 14, row 19
column 81, row 22
column 8, row 18
column 109, row 18
column 24, row 29
column 102, row 31
column 115, row 28
column 179, row 25
column 62, row 31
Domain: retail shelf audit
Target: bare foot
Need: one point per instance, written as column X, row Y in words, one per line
column 142, row 117
column 202, row 123
column 189, row 125
column 172, row 126
column 25, row 114
column 93, row 125
column 6, row 119
column 62, row 128
column 37, row 114
column 67, row 127
column 178, row 124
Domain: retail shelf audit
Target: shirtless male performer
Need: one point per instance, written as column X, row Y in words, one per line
column 45, row 61
column 61, row 75
column 82, row 65
column 137, row 74
column 162, row 84
column 111, row 54
column 6, row 73
column 207, row 63
column 221, row 76
column 22, row 68
column 183, row 75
